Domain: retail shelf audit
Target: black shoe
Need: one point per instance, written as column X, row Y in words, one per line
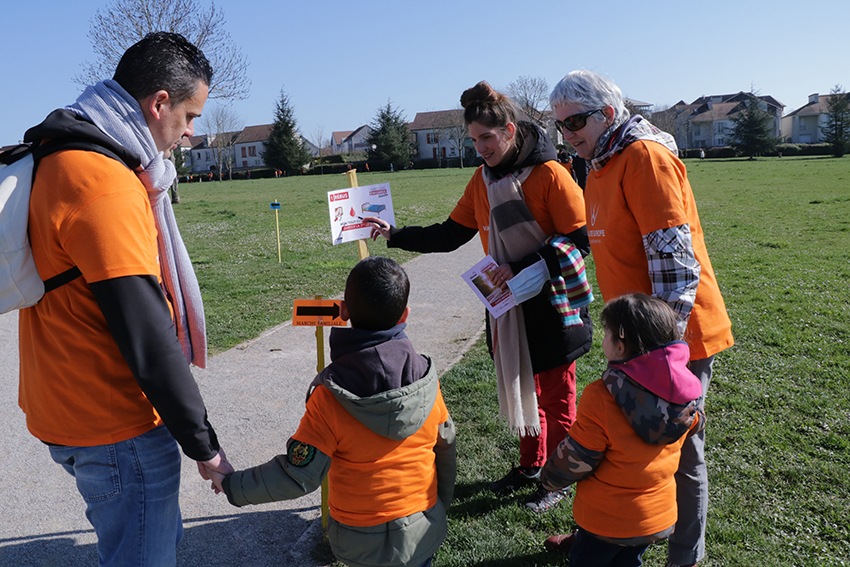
column 516, row 478
column 544, row 500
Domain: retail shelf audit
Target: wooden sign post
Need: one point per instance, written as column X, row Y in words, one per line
column 362, row 250
column 319, row 313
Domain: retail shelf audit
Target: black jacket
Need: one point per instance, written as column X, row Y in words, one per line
column 550, row 344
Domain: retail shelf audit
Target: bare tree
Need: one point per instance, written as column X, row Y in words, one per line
column 664, row 118
column 124, row 22
column 320, row 141
column 222, row 127
column 531, row 94
column 450, row 130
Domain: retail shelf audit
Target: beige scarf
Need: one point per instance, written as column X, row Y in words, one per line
column 513, row 235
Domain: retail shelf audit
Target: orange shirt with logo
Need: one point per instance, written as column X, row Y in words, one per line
column 554, row 199
column 641, row 190
column 75, row 387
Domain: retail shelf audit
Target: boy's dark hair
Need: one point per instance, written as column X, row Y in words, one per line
column 640, row 321
column 376, row 294
column 163, row 61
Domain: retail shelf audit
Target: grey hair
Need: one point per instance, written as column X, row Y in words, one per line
column 589, row 91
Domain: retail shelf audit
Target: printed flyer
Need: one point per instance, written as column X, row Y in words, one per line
column 494, row 299
column 348, row 208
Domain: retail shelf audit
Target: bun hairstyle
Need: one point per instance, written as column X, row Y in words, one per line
column 486, row 106
column 641, row 321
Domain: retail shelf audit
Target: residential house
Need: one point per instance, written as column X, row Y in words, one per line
column 246, row 148
column 249, row 147
column 805, row 125
column 311, row 147
column 642, row 108
column 709, row 120
column 440, row 134
column 350, row 141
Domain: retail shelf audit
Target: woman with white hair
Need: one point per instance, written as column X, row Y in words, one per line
column 645, row 235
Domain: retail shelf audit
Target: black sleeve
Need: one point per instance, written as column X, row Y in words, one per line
column 581, row 241
column 442, row 237
column 140, row 322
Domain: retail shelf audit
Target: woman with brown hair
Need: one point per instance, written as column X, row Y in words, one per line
column 529, row 214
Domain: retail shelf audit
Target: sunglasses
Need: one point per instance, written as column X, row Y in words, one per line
column 576, row 122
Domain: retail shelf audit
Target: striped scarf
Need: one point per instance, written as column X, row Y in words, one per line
column 514, row 233
column 570, row 290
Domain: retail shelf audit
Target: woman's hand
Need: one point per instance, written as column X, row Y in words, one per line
column 501, row 275
column 379, row 227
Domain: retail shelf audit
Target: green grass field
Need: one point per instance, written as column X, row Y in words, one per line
column 778, row 438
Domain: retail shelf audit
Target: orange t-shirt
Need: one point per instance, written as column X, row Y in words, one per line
column 641, row 190
column 632, row 493
column 372, row 479
column 75, row 387
column 550, row 193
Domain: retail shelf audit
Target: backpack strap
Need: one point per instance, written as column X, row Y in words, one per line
column 40, row 151
column 61, row 279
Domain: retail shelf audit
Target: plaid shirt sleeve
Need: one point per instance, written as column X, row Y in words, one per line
column 673, row 269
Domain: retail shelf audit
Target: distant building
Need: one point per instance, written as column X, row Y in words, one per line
column 250, row 145
column 709, row 120
column 246, row 152
column 439, row 134
column 346, row 142
column 805, row 125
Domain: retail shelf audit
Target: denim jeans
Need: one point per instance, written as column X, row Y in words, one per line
column 686, row 545
column 428, row 562
column 131, row 491
column 590, row 551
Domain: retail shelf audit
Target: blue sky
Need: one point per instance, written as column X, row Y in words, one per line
column 340, row 61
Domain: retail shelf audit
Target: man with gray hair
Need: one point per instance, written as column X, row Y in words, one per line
column 105, row 380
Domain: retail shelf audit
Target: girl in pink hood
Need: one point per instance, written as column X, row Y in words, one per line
column 624, row 447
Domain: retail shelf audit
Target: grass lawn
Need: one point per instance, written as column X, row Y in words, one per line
column 229, row 229
column 778, row 438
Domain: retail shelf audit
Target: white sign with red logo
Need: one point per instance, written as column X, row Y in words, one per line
column 348, row 208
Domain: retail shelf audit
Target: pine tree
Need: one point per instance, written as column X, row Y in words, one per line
column 752, row 134
column 837, row 129
column 389, row 141
column 284, row 150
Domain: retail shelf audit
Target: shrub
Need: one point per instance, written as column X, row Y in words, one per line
column 815, row 149
column 720, row 152
column 788, row 149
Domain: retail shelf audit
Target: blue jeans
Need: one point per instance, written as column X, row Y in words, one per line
column 590, row 551
column 428, row 562
column 686, row 545
column 131, row 491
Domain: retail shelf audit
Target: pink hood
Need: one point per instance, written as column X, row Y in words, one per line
column 664, row 372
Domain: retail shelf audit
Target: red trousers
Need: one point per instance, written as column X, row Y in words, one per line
column 556, row 406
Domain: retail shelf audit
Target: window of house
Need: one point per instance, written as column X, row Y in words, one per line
column 207, row 155
column 697, row 130
column 244, row 151
column 252, row 151
column 435, row 152
column 802, row 125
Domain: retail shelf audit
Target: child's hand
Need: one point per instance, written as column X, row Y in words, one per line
column 217, row 478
